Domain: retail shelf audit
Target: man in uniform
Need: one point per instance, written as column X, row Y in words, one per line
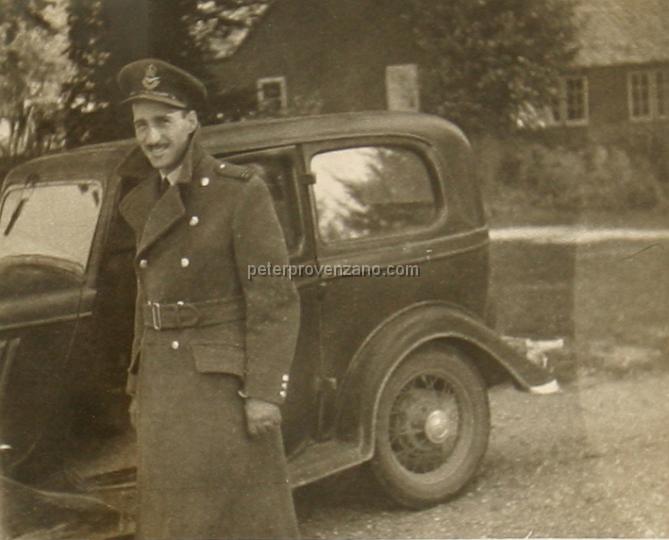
column 212, row 350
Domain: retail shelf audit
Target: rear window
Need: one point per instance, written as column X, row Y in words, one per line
column 371, row 191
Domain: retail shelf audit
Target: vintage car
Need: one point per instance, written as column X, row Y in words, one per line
column 396, row 351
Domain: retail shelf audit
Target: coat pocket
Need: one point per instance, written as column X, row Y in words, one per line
column 219, row 358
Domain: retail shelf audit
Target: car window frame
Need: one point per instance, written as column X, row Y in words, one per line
column 423, row 149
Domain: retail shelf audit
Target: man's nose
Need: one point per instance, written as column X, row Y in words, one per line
column 151, row 135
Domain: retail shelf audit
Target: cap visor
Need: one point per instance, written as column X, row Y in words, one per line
column 159, row 99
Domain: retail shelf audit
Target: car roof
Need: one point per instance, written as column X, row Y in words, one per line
column 264, row 133
column 254, row 135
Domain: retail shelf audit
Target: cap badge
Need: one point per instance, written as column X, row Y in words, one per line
column 151, row 79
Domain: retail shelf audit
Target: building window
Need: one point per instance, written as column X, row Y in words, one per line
column 272, row 95
column 570, row 106
column 648, row 94
column 402, row 88
column 640, row 95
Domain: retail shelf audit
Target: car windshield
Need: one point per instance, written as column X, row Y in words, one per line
column 50, row 220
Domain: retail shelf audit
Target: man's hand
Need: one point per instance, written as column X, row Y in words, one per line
column 134, row 412
column 261, row 416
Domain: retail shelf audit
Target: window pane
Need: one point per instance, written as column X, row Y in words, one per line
column 640, row 95
column 272, row 94
column 371, row 191
column 555, row 108
column 662, row 92
column 576, row 97
column 55, row 220
column 271, row 90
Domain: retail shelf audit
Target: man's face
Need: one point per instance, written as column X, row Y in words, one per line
column 163, row 132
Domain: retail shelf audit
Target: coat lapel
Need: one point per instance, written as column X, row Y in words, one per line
column 137, row 204
column 149, row 214
column 166, row 212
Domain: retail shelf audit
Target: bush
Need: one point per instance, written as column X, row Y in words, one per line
column 596, row 177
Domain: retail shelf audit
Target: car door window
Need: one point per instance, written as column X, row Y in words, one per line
column 50, row 220
column 371, row 191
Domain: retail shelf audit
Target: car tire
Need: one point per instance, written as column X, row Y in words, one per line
column 432, row 427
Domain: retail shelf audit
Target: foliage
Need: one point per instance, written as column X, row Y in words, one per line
column 90, row 114
column 31, row 53
column 201, row 31
column 186, row 33
column 191, row 33
column 598, row 177
column 491, row 60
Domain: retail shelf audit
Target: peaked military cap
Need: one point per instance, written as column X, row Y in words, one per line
column 156, row 80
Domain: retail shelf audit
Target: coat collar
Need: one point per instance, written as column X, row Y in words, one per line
column 149, row 214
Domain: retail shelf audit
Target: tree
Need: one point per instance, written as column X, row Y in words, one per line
column 31, row 52
column 492, row 61
column 91, row 94
column 103, row 37
column 192, row 33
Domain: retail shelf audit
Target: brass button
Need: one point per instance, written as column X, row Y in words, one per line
column 282, row 393
column 205, row 181
column 194, row 221
column 143, row 263
column 285, row 378
column 185, row 262
column 221, row 166
column 174, row 345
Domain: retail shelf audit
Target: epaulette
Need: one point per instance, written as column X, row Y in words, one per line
column 231, row 170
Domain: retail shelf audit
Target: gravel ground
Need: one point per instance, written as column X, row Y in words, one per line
column 592, row 461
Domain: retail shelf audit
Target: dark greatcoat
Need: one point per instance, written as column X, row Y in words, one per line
column 200, row 475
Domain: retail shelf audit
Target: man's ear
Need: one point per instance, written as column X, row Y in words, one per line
column 191, row 118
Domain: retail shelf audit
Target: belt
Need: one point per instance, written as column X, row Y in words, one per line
column 188, row 314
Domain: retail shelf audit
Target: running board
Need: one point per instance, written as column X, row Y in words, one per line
column 323, row 459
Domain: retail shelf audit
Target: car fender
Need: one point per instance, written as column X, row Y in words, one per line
column 419, row 325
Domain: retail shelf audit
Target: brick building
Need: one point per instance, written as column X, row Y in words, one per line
column 346, row 55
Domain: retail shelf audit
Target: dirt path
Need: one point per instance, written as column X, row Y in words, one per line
column 592, row 461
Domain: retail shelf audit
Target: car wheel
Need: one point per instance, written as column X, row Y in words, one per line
column 432, row 427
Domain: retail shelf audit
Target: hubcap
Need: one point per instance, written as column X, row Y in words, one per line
column 436, row 426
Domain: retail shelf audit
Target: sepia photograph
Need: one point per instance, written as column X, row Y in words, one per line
column 334, row 269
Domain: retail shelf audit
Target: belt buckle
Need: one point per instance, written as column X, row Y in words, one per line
column 155, row 315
